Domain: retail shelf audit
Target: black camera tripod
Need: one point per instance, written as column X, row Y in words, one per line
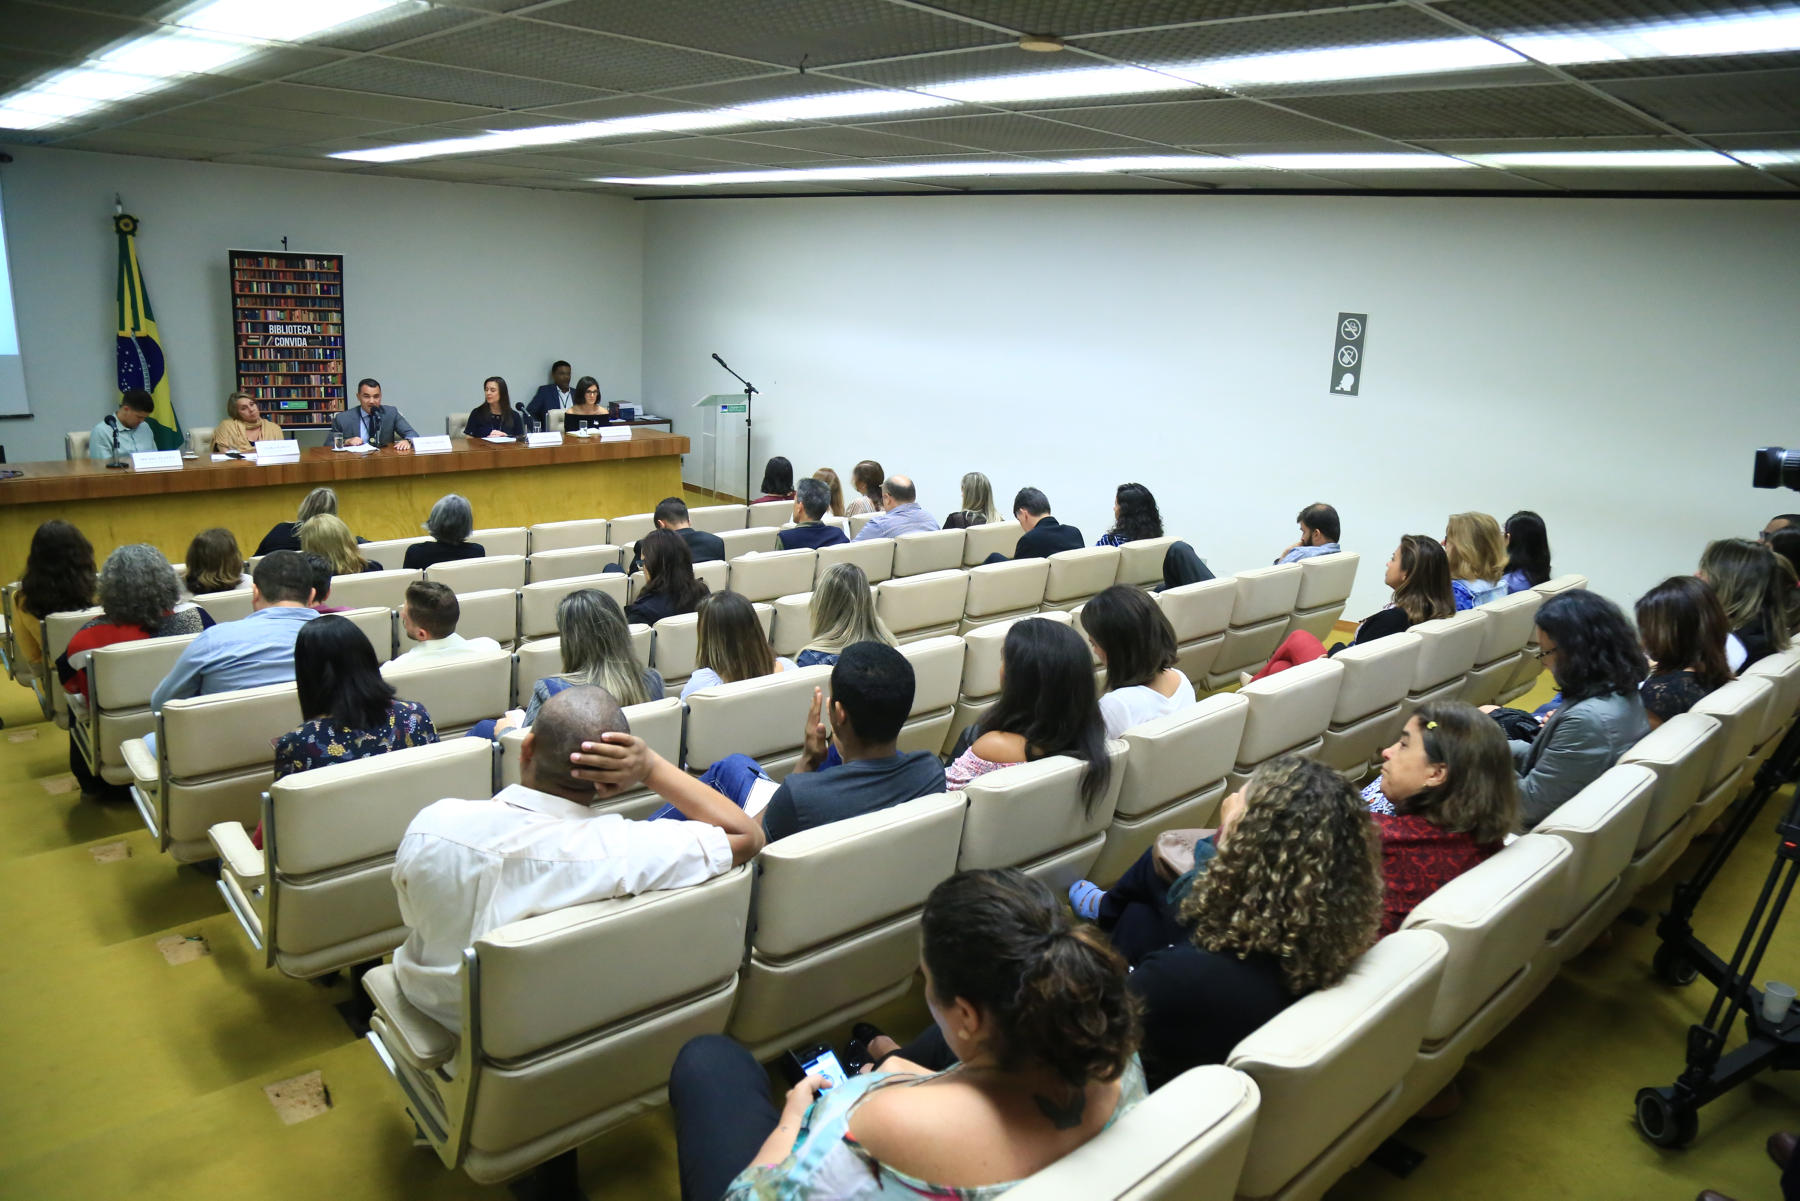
column 1669, row 1117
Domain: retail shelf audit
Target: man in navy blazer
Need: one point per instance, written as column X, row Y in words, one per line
column 811, row 499
column 370, row 422
column 1044, row 535
column 553, row 395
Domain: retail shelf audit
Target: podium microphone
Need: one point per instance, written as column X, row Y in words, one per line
column 114, row 463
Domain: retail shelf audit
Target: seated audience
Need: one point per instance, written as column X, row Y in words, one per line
column 557, row 394
column 1477, row 554
column 1183, row 565
column 731, row 644
column 811, row 500
column 1419, row 574
column 133, row 431
column 1752, row 585
column 777, row 481
column 1777, row 523
column 1046, row 707
column 1135, row 516
column 320, row 567
column 1593, row 655
column 1786, row 545
column 1033, row 1007
column 900, row 513
column 428, row 618
column 285, row 535
column 829, row 478
column 1682, row 626
column 1318, row 534
column 669, row 584
column 977, row 504
column 1446, row 799
column 350, row 711
column 866, row 478
column 843, row 612
column 465, row 867
column 1284, row 908
column 1043, row 535
column 586, row 412
column 58, row 578
column 139, row 598
column 1527, row 552
column 330, row 538
column 451, row 521
column 495, row 414
column 671, row 514
column 1137, row 644
column 858, row 768
column 596, row 650
column 244, row 426
column 256, row 650
column 213, row 563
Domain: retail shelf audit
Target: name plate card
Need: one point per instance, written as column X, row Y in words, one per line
column 156, row 460
column 431, row 444
column 545, row 439
column 276, row 450
column 615, row 433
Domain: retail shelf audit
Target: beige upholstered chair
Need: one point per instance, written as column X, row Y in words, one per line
column 1031, row 816
column 1175, row 769
column 1329, row 1067
column 576, row 561
column 1002, row 591
column 1741, row 708
column 1682, row 752
column 1325, row 583
column 813, row 966
column 455, row 424
column 234, row 605
column 764, row 718
column 1289, row 714
column 117, row 709
column 857, row 522
column 1260, row 610
column 212, row 762
column 761, row 540
column 380, row 625
column 490, row 613
column 630, row 530
column 875, row 557
column 538, row 600
column 1561, row 583
column 1186, row 1142
column 503, row 540
column 1367, row 716
column 717, row 519
column 922, row 606
column 569, row 535
column 386, row 589
column 792, row 625
column 457, row 692
column 59, row 628
column 982, row 648
column 1076, row 576
column 1141, row 562
column 1525, row 675
column 1506, row 627
column 1494, row 917
column 478, row 575
column 770, row 514
column 993, row 538
column 714, row 573
column 199, row 439
column 658, row 723
column 678, row 641
column 1783, row 674
column 1601, row 824
column 925, row 551
column 558, row 1044
column 75, row 444
column 319, row 896
column 1447, row 652
column 390, row 552
column 531, row 662
column 937, row 665
column 766, row 576
column 1200, row 614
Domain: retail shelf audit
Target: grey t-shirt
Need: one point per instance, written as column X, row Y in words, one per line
column 817, row 798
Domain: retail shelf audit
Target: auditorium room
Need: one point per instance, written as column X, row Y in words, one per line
column 723, row 600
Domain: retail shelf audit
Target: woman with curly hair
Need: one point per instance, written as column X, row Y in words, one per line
column 1135, row 516
column 1291, row 897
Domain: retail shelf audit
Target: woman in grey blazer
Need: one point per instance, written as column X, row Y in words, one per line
column 1593, row 654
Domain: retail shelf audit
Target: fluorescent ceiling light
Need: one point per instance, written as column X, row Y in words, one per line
column 283, row 20
column 1071, row 84
column 838, row 105
column 1352, row 62
column 169, row 54
column 1696, row 36
column 1352, row 162
column 1151, row 162
column 1604, row 158
column 1767, row 158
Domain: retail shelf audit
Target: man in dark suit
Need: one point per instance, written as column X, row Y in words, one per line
column 553, row 395
column 370, row 422
column 811, row 499
column 1044, row 535
column 671, row 514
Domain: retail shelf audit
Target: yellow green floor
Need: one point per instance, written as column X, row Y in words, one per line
column 126, row 1076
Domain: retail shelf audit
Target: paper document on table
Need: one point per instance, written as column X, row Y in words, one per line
column 497, row 436
column 221, row 458
column 363, row 449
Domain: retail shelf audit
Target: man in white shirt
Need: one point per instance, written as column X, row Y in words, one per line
column 467, row 867
column 429, row 616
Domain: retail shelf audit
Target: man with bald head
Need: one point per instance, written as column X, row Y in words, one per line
column 900, row 512
column 466, row 867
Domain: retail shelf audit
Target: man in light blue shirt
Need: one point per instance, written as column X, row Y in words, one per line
column 900, row 513
column 135, row 431
column 256, row 650
column 1318, row 534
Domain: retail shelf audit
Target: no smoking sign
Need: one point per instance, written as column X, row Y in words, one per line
column 1347, row 356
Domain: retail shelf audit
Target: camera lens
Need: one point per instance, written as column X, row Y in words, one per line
column 1776, row 468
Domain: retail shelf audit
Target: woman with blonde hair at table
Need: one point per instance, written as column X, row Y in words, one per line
column 244, row 426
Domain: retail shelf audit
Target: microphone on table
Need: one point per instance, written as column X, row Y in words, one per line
column 524, row 417
column 375, row 426
column 115, row 461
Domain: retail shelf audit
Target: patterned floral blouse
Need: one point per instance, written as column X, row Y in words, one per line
column 968, row 766
column 828, row 1164
column 320, row 742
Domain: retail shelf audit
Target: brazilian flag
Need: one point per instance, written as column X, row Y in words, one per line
column 140, row 349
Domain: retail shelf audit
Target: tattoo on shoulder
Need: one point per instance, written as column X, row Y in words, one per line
column 1066, row 1116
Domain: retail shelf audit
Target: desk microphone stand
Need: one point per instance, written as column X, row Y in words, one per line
column 749, row 398
column 116, row 462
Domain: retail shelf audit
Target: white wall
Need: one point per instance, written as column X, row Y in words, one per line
column 444, row 283
column 1609, row 363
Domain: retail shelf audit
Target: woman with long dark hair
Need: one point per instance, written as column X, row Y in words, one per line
column 495, row 414
column 1135, row 516
column 1527, row 551
column 59, row 577
column 731, row 644
column 670, row 587
column 1682, row 626
column 1046, row 707
column 1137, row 644
column 777, row 480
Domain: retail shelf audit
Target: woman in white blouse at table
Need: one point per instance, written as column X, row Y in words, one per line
column 1137, row 644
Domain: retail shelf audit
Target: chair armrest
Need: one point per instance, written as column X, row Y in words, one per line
column 77, row 707
column 419, row 1040
column 241, row 857
column 140, row 763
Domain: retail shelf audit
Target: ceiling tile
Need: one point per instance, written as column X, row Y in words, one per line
column 864, row 141
column 231, row 111
column 1704, row 179
column 745, row 153
column 1746, row 103
column 939, row 69
column 380, row 31
column 427, row 81
column 122, row 8
column 1559, row 110
column 352, row 103
column 1069, row 18
column 1005, row 131
column 555, row 52
column 1084, row 183
column 71, row 36
column 1654, row 141
column 126, row 141
column 1203, row 122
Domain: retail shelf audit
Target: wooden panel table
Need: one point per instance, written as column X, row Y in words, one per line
column 381, row 495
